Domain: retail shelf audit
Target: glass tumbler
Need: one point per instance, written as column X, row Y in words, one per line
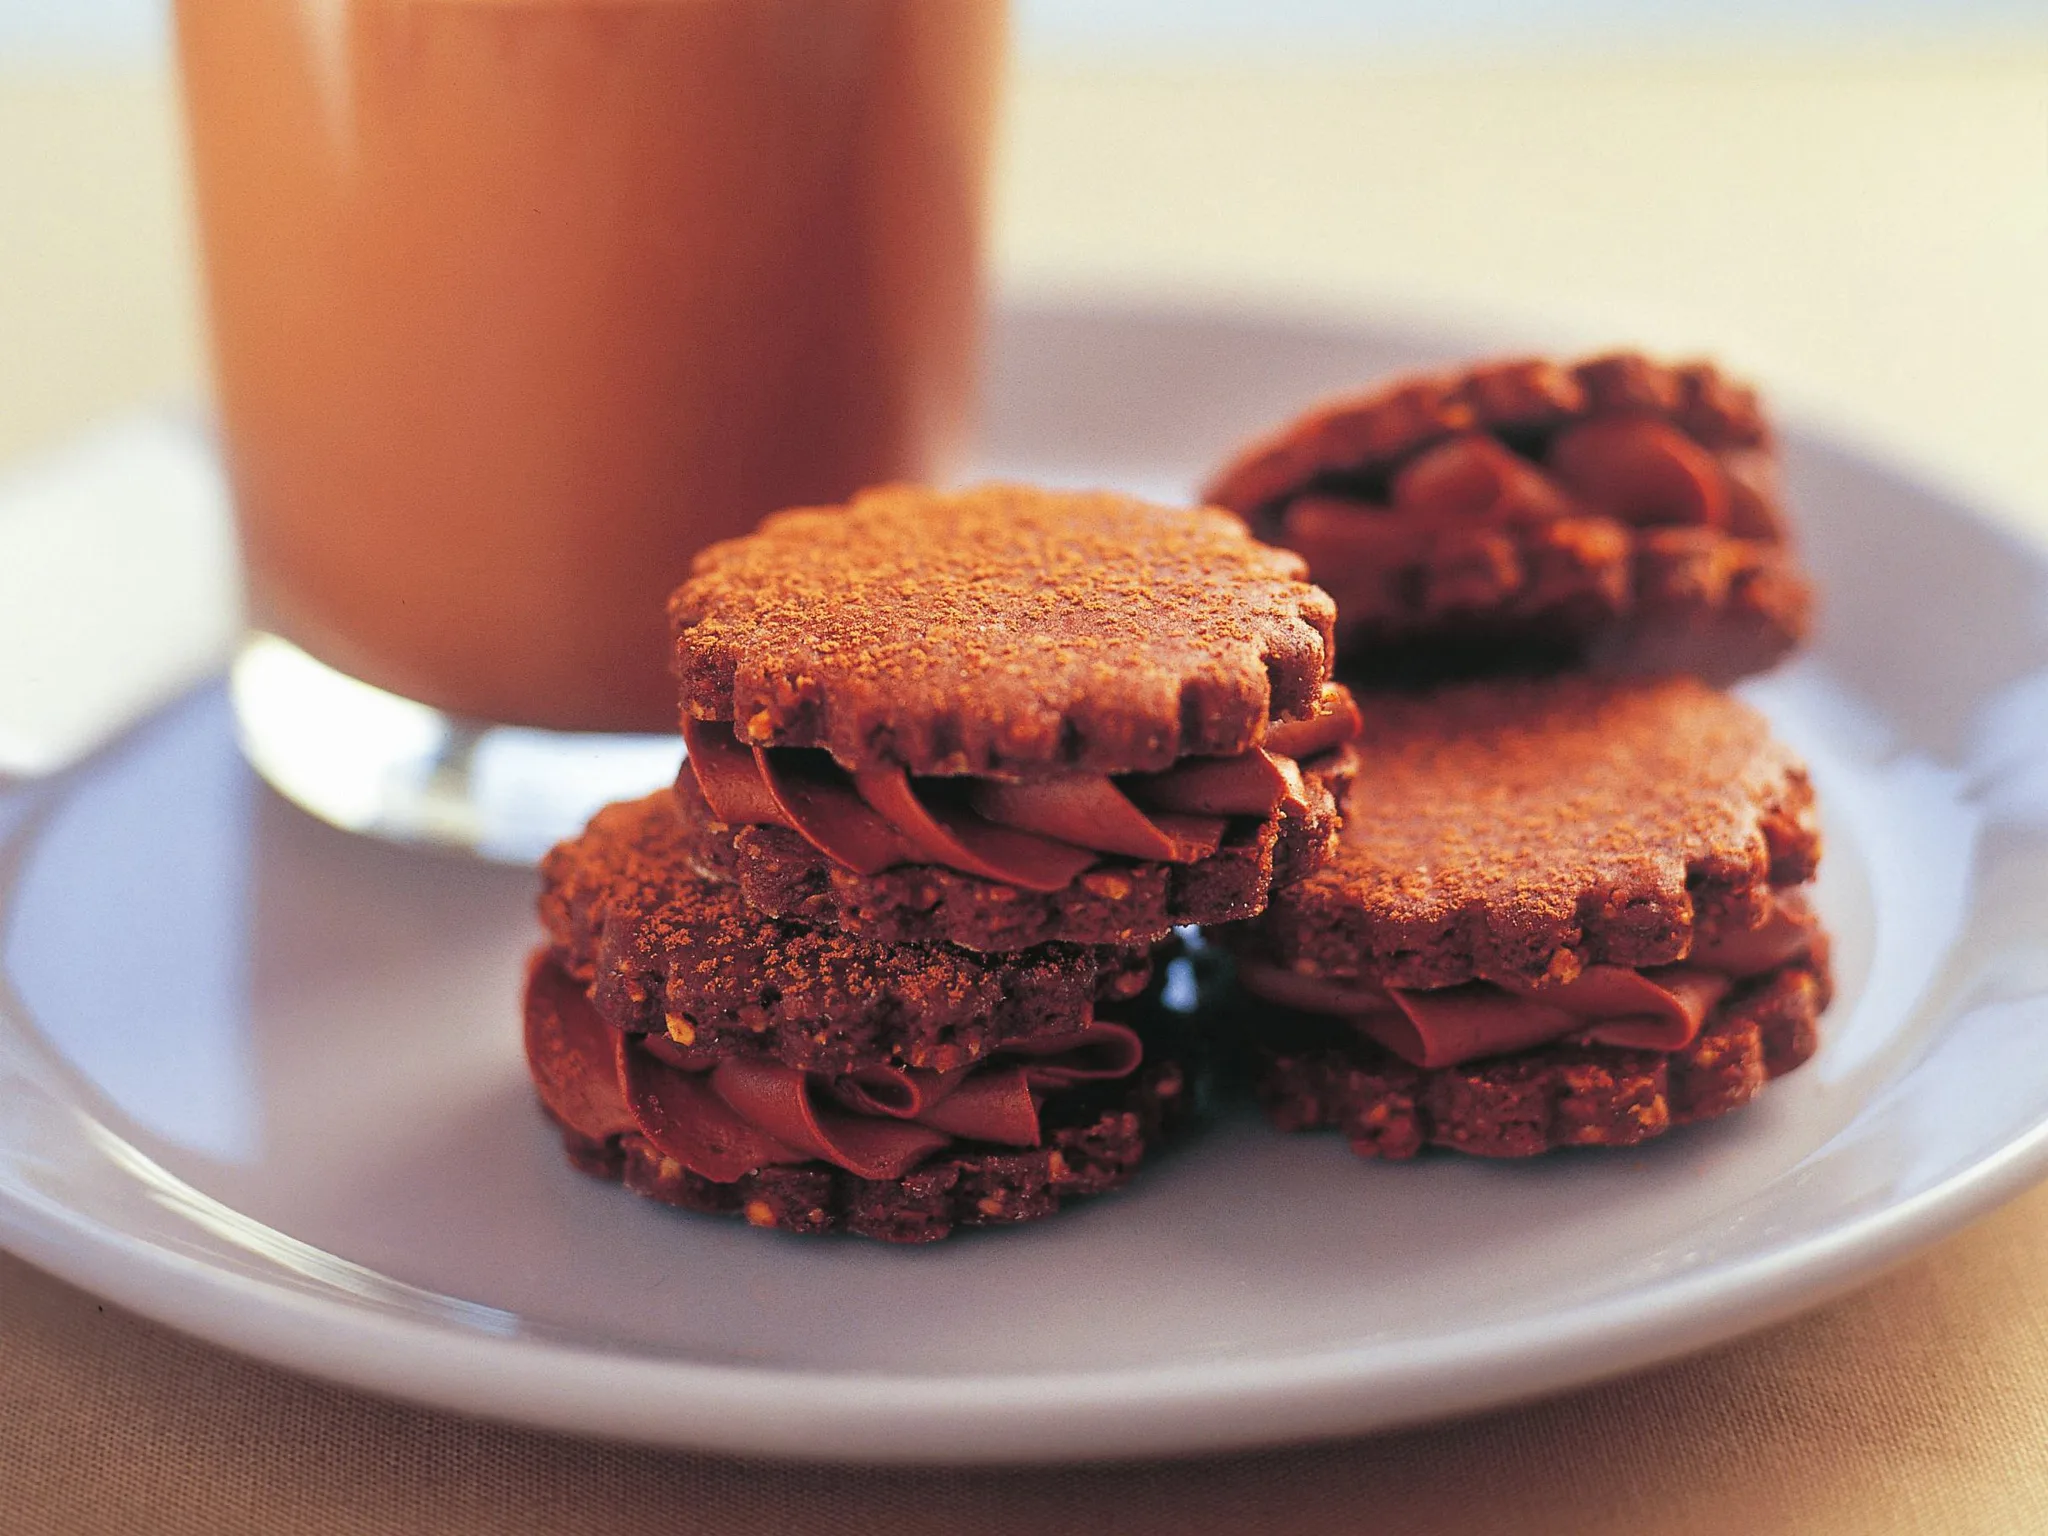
column 516, row 304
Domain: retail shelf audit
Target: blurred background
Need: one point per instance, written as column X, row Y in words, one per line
column 1848, row 197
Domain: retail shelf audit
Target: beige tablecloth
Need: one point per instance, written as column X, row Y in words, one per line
column 1871, row 235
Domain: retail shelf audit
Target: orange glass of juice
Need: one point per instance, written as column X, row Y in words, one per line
column 515, row 304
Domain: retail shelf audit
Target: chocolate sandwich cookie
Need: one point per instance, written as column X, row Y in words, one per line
column 1006, row 716
column 664, row 951
column 1563, row 912
column 882, row 1151
column 725, row 1060
column 1615, row 512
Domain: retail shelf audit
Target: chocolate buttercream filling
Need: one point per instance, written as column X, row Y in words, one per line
column 1637, row 468
column 742, row 1114
column 1658, row 1009
column 1037, row 834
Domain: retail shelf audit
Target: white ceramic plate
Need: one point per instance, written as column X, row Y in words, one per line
column 261, row 1080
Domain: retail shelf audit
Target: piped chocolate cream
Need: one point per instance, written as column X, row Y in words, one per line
column 1038, row 834
column 1661, row 1008
column 1631, row 467
column 743, row 1114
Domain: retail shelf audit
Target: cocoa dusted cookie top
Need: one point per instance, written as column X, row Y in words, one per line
column 664, row 951
column 1518, row 831
column 1616, row 512
column 1002, row 630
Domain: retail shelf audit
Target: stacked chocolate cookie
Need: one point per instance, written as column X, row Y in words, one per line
column 1568, row 904
column 1614, row 514
column 958, row 765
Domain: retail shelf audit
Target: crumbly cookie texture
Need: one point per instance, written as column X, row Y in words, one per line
column 1328, row 1077
column 664, row 950
column 1002, row 630
column 1521, row 830
column 1616, row 512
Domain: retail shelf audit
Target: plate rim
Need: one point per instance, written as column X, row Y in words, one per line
column 1017, row 1417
